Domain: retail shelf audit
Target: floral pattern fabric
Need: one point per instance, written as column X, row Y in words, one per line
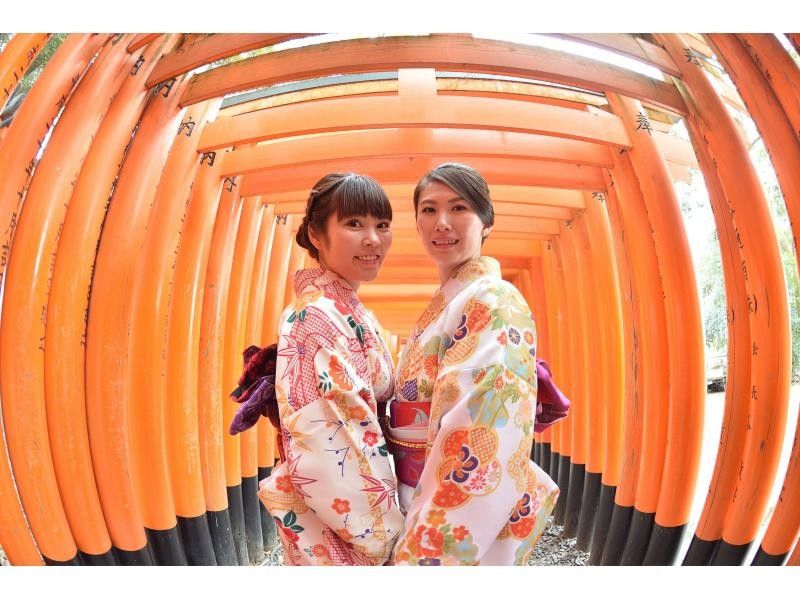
column 480, row 500
column 333, row 498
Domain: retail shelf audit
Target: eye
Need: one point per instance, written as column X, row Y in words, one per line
column 459, row 207
column 427, row 210
column 385, row 225
column 354, row 222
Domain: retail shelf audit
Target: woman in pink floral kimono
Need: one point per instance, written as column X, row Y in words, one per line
column 333, row 494
column 462, row 421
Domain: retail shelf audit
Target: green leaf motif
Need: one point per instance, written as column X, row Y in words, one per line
column 296, row 529
column 289, row 519
column 303, row 316
column 292, row 317
column 383, row 450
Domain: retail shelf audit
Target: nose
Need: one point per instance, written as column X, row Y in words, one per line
column 441, row 221
column 371, row 237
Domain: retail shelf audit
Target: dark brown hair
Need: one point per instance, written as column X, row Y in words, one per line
column 347, row 194
column 466, row 182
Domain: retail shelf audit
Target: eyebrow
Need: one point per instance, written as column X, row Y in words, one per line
column 455, row 199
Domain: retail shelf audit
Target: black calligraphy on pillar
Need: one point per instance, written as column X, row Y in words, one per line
column 188, row 126
column 692, row 56
column 231, row 183
column 138, row 64
column 599, row 196
column 210, row 156
column 643, row 123
column 165, row 87
column 281, row 218
column 755, row 349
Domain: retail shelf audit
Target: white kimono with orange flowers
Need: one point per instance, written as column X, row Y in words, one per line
column 480, row 500
column 333, row 498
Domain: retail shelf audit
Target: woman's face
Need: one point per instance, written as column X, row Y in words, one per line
column 354, row 247
column 450, row 229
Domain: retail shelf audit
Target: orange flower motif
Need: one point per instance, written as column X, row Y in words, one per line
column 371, row 438
column 319, row 550
column 479, row 376
column 284, row 483
column 341, row 506
column 430, row 540
column 345, row 534
column 460, row 532
column 339, row 375
column 357, row 412
column 529, row 337
column 499, row 383
column 436, row 518
column 503, row 338
column 431, row 365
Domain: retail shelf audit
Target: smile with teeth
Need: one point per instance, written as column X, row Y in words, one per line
column 367, row 258
column 445, row 241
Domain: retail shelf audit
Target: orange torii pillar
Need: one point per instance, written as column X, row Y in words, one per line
column 714, row 134
column 212, row 389
column 18, row 55
column 769, row 82
column 673, row 493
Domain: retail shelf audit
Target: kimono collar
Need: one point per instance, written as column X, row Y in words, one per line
column 468, row 272
column 330, row 283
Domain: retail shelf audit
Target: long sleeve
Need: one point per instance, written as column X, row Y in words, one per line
column 334, row 497
column 477, row 485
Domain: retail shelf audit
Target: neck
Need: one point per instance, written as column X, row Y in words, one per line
column 353, row 283
column 446, row 272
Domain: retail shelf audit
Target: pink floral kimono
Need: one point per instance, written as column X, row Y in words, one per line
column 333, row 497
column 461, row 427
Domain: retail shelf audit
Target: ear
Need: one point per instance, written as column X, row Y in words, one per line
column 486, row 232
column 312, row 236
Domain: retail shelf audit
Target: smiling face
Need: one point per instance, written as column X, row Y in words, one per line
column 450, row 229
column 354, row 247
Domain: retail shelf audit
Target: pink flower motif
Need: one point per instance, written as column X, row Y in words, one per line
column 371, row 438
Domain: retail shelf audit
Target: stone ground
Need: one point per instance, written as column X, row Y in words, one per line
column 551, row 549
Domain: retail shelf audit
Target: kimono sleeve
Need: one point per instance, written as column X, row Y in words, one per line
column 337, row 460
column 477, row 467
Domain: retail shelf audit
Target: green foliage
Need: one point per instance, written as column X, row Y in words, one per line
column 41, row 61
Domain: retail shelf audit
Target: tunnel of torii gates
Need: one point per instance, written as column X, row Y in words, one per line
column 148, row 215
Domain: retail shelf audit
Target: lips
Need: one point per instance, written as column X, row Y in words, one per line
column 445, row 242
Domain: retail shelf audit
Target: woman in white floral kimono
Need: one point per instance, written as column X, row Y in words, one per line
column 461, row 424
column 333, row 494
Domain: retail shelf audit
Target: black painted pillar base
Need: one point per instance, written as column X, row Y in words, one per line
column 602, row 523
column 219, row 524
column 165, row 544
column 252, row 519
column 268, row 531
column 589, row 504
column 98, row 560
column 563, row 485
column 555, row 458
column 73, row 562
column 664, row 544
column 546, row 456
column 536, row 453
column 730, row 554
column 236, row 511
column 766, row 559
column 135, row 558
column 638, row 538
column 577, row 472
column 700, row 552
column 617, row 534
column 196, row 538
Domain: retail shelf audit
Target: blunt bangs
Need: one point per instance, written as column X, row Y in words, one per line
column 359, row 195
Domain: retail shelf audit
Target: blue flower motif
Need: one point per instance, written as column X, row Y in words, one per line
column 429, row 562
column 513, row 335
